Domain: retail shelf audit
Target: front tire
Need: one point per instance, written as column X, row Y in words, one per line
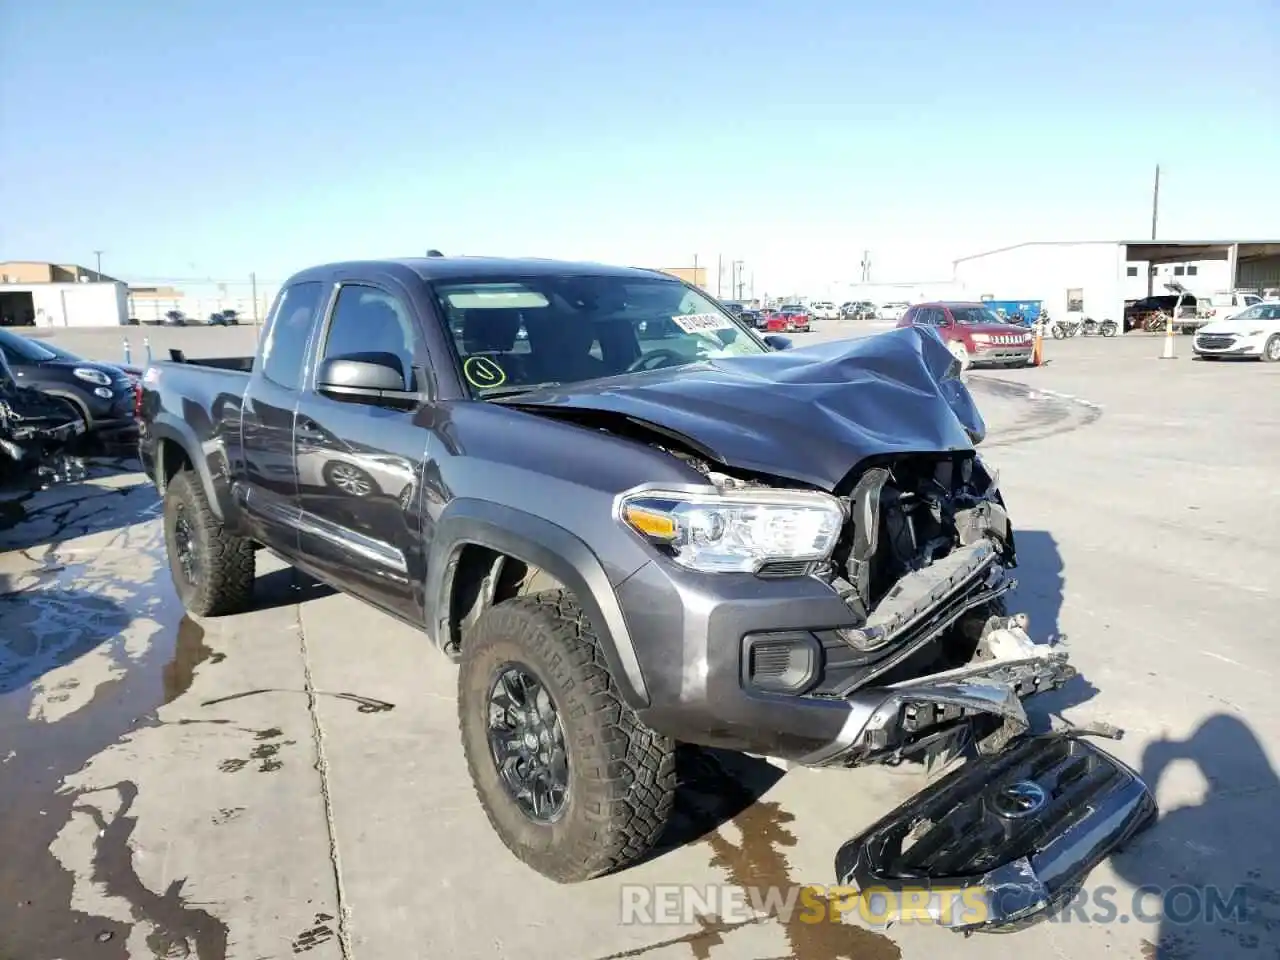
column 1271, row 349
column 212, row 569
column 618, row 776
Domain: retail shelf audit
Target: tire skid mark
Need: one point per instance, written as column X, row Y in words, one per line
column 1049, row 412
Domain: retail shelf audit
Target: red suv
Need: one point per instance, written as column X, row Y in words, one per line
column 791, row 317
column 974, row 333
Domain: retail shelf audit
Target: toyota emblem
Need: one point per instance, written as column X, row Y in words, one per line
column 1021, row 799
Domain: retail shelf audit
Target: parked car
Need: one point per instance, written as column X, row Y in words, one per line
column 224, row 318
column 892, row 311
column 789, row 318
column 1218, row 306
column 973, row 333
column 622, row 553
column 102, row 393
column 754, row 319
column 1254, row 332
column 824, row 310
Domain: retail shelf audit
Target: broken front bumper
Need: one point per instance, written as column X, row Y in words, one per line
column 1002, row 841
column 927, row 713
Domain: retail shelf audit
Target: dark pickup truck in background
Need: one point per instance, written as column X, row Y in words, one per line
column 627, row 541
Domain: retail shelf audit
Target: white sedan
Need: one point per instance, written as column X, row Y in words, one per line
column 1254, row 332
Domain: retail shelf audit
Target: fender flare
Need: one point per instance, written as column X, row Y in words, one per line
column 543, row 544
column 166, row 428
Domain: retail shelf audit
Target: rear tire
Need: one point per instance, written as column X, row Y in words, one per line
column 212, row 569
column 619, row 775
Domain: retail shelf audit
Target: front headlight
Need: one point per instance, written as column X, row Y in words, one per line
column 93, row 376
column 735, row 531
column 980, row 338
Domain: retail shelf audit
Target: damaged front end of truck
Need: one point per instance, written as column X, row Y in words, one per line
column 36, row 434
column 931, row 665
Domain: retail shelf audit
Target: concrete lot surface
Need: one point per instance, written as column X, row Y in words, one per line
column 289, row 782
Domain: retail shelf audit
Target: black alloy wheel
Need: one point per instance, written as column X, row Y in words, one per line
column 528, row 743
column 184, row 544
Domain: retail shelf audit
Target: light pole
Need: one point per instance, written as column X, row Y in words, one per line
column 98, row 255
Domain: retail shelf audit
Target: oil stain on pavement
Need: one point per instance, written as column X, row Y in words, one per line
column 758, row 861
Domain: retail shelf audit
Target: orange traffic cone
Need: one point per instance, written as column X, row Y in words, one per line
column 1037, row 351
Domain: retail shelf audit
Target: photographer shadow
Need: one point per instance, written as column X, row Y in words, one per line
column 1041, row 580
column 1214, row 863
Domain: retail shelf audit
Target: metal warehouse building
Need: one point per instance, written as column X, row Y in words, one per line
column 1094, row 278
column 59, row 295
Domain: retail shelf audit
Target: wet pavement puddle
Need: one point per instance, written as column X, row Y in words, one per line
column 92, row 642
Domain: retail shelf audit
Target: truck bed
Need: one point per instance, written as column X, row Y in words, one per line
column 240, row 364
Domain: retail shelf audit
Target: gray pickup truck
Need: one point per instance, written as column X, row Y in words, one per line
column 633, row 522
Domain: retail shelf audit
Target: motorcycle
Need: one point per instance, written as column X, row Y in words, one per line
column 1088, row 327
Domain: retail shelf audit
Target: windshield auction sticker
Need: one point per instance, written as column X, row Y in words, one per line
column 483, row 372
column 701, row 322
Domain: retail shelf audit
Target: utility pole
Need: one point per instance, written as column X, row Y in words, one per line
column 695, row 270
column 719, row 273
column 253, row 286
column 866, row 266
column 98, row 255
column 1155, row 218
column 1155, row 203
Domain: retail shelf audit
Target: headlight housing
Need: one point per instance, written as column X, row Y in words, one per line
column 92, row 376
column 981, row 338
column 735, row 531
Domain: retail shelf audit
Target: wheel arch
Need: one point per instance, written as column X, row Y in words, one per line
column 484, row 552
column 177, row 448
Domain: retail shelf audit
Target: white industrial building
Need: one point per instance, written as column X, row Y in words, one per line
column 1095, row 278
column 85, row 303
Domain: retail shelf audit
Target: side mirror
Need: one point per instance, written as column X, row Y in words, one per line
column 778, row 343
column 365, row 378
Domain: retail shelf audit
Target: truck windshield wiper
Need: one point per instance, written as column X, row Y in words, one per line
column 498, row 393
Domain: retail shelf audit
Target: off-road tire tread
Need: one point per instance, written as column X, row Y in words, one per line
column 229, row 570
column 628, row 793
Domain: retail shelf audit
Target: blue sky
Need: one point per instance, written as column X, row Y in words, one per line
column 214, row 139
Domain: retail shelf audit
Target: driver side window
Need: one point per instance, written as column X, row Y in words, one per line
column 367, row 320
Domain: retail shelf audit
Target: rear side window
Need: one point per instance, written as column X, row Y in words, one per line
column 285, row 348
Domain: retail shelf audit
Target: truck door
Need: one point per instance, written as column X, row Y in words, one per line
column 269, row 493
column 360, row 458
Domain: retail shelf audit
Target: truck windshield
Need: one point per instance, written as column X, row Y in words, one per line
column 525, row 332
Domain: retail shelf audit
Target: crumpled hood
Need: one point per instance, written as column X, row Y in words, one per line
column 811, row 414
